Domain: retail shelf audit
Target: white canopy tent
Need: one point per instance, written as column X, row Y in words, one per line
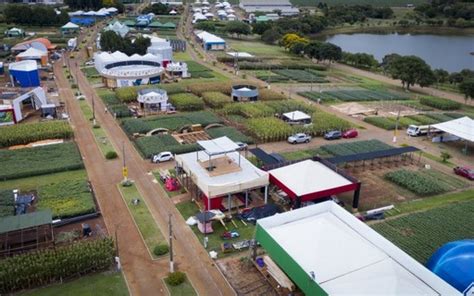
column 462, row 127
column 32, row 53
column 157, row 97
column 218, row 146
column 342, row 256
column 297, row 116
column 118, row 28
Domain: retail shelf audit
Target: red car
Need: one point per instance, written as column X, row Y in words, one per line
column 352, row 133
column 465, row 172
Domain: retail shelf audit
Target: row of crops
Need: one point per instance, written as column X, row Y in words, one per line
column 422, row 233
column 389, row 123
column 19, row 134
column 286, row 75
column 49, row 159
column 424, row 183
column 48, row 266
column 355, row 147
column 199, row 71
column 354, row 95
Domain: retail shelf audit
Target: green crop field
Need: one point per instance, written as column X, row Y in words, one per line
column 28, row 162
column 355, row 95
column 420, row 234
column 355, row 147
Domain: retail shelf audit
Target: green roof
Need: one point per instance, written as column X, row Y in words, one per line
column 12, row 223
column 129, row 23
column 169, row 25
column 155, row 24
column 262, row 18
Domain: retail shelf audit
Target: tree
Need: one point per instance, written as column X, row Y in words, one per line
column 37, row 15
column 313, row 50
column 157, row 8
column 445, row 156
column 455, row 77
column 330, row 52
column 360, row 60
column 411, row 70
column 260, row 27
column 238, row 28
column 467, row 88
column 208, row 26
column 110, row 41
column 441, row 75
column 271, row 36
column 288, row 40
column 140, row 45
column 297, row 48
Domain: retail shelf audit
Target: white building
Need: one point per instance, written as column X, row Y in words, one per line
column 160, row 47
column 210, row 41
column 286, row 8
column 153, row 99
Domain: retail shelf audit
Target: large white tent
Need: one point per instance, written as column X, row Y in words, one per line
column 462, row 127
column 118, row 28
column 326, row 250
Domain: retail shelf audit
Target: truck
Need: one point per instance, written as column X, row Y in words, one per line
column 421, row 130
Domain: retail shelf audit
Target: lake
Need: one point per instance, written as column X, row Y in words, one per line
column 448, row 52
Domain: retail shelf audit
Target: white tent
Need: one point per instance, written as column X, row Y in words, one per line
column 342, row 255
column 218, row 146
column 160, row 47
column 296, row 116
column 32, row 53
column 240, row 54
column 118, row 28
column 153, row 97
column 462, row 127
column 70, row 25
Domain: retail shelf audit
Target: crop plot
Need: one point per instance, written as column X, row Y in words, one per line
column 354, row 95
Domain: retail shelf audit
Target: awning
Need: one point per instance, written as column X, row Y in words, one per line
column 218, row 146
column 297, row 115
column 462, row 127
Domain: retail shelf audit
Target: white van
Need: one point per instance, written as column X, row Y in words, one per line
column 421, row 130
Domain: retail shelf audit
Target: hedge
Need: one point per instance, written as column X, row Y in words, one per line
column 440, row 103
column 126, row 94
column 269, row 95
column 216, row 99
column 42, row 267
column 42, row 160
column 200, row 88
column 382, row 122
column 30, row 132
column 187, row 102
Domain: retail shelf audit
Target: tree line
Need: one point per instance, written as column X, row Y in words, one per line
column 458, row 13
column 34, row 15
column 110, row 41
column 94, row 4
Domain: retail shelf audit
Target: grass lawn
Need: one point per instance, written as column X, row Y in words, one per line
column 258, row 48
column 99, row 133
column 33, row 183
column 181, row 56
column 428, row 203
column 147, row 226
column 169, row 193
column 185, row 289
column 107, row 283
column 438, row 159
column 189, row 208
column 92, row 75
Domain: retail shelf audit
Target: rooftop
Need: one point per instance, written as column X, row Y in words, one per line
column 12, row 223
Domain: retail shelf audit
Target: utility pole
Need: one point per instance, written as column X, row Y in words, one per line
column 124, row 168
column 396, row 126
column 171, row 244
column 93, row 110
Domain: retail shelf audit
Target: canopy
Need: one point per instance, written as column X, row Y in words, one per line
column 462, row 127
column 240, row 54
column 26, row 65
column 32, row 53
column 310, row 180
column 297, row 116
column 70, row 25
column 324, row 248
column 12, row 223
column 218, row 146
column 247, row 177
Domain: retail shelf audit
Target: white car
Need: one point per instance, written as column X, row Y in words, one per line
column 299, row 138
column 162, row 157
column 90, row 63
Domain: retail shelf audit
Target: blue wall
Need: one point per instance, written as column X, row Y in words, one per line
column 25, row 78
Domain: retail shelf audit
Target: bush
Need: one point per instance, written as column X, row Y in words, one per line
column 175, row 278
column 268, row 95
column 187, row 102
column 30, row 132
column 111, row 155
column 126, row 94
column 42, row 267
column 119, row 110
column 161, row 249
column 440, row 103
column 216, row 99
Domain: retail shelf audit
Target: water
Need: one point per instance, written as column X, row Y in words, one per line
column 449, row 52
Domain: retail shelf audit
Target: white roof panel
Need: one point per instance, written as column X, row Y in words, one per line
column 240, row 54
column 296, row 115
column 347, row 256
column 32, row 53
column 26, row 65
column 70, row 25
column 218, row 146
column 462, row 127
column 308, row 176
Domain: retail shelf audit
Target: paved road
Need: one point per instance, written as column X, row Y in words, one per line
column 143, row 275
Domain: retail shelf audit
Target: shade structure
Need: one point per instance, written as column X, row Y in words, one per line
column 462, row 127
column 32, row 53
column 38, row 43
column 326, row 250
column 296, row 116
column 309, row 180
column 218, row 146
column 248, row 177
column 70, row 25
column 118, row 28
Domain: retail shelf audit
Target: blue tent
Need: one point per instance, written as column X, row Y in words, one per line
column 24, row 73
column 454, row 263
column 83, row 21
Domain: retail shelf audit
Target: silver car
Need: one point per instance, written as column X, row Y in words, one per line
column 299, row 138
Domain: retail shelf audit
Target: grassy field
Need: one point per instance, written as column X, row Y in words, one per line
column 110, row 283
column 146, row 224
column 185, row 289
column 258, row 48
column 33, row 183
column 99, row 133
column 189, row 208
column 422, row 233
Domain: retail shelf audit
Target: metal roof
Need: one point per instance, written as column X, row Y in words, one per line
column 12, row 223
column 371, row 155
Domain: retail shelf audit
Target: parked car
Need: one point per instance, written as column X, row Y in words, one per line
column 90, row 63
column 351, row 133
column 162, row 157
column 465, row 172
column 299, row 138
column 242, row 145
column 333, row 135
